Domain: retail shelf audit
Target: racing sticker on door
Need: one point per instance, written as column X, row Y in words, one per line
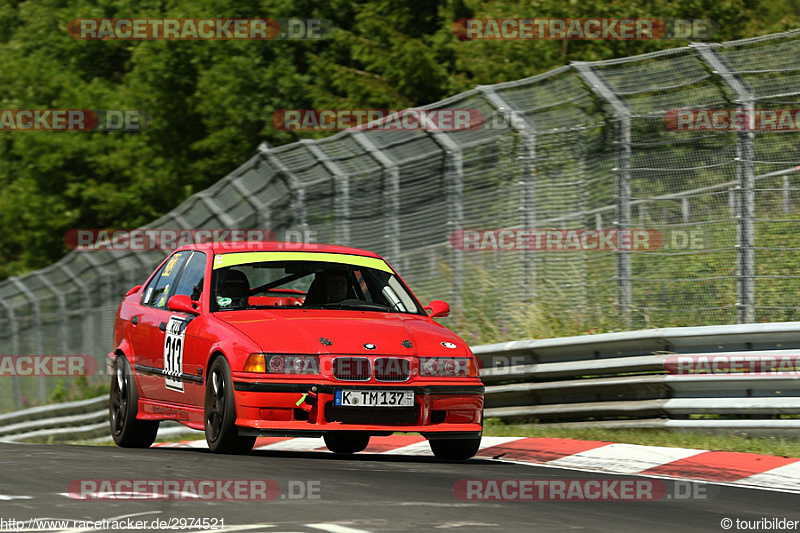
column 173, row 353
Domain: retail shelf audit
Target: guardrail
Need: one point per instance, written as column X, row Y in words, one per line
column 609, row 380
column 620, row 379
column 80, row 420
column 83, row 420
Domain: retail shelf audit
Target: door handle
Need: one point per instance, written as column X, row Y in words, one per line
column 135, row 319
column 163, row 326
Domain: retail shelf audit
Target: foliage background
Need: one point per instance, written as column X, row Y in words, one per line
column 211, row 100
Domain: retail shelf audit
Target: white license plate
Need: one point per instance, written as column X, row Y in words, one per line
column 373, row 398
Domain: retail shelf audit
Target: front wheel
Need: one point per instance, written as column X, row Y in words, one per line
column 220, row 412
column 455, row 449
column 123, row 401
column 346, row 441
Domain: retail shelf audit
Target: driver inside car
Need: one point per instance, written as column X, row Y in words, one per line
column 334, row 285
column 329, row 286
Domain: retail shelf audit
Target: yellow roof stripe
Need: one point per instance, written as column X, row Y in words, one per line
column 242, row 258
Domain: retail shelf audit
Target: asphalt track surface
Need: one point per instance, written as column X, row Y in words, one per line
column 363, row 492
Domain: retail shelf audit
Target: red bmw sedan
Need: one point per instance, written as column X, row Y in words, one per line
column 249, row 339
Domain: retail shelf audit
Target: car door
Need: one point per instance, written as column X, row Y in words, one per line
column 152, row 325
column 141, row 354
column 184, row 347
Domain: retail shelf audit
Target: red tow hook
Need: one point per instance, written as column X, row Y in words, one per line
column 307, row 400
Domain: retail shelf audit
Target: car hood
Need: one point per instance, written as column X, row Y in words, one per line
column 309, row 331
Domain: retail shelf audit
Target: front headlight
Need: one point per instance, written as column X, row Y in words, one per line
column 449, row 367
column 293, row 364
column 282, row 364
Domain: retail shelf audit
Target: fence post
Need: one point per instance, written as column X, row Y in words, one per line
column 341, row 199
column 14, row 330
column 62, row 308
column 787, row 195
column 391, row 192
column 213, row 207
column 139, row 276
column 454, row 174
column 296, row 186
column 88, row 330
column 623, row 182
column 105, row 295
column 261, row 210
column 745, row 174
column 37, row 343
column 525, row 127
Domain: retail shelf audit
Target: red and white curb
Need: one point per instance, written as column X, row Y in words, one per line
column 729, row 468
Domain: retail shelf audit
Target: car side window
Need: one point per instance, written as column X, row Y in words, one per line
column 191, row 282
column 147, row 293
column 155, row 295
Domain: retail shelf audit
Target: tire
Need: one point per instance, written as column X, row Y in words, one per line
column 346, row 441
column 455, row 449
column 123, row 403
column 220, row 412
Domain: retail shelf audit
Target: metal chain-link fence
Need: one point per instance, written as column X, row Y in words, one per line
column 585, row 146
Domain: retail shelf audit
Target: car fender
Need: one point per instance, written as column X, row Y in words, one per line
column 235, row 352
column 230, row 342
column 123, row 350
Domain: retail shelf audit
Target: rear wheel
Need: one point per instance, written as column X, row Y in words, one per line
column 346, row 441
column 455, row 449
column 220, row 412
column 123, row 402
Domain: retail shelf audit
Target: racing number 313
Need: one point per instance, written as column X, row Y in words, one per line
column 173, row 353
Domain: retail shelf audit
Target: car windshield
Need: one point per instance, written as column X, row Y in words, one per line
column 260, row 280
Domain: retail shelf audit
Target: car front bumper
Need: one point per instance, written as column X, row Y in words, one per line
column 307, row 408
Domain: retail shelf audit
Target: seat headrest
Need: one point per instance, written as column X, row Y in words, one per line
column 235, row 285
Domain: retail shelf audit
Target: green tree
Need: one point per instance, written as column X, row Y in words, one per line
column 211, row 101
